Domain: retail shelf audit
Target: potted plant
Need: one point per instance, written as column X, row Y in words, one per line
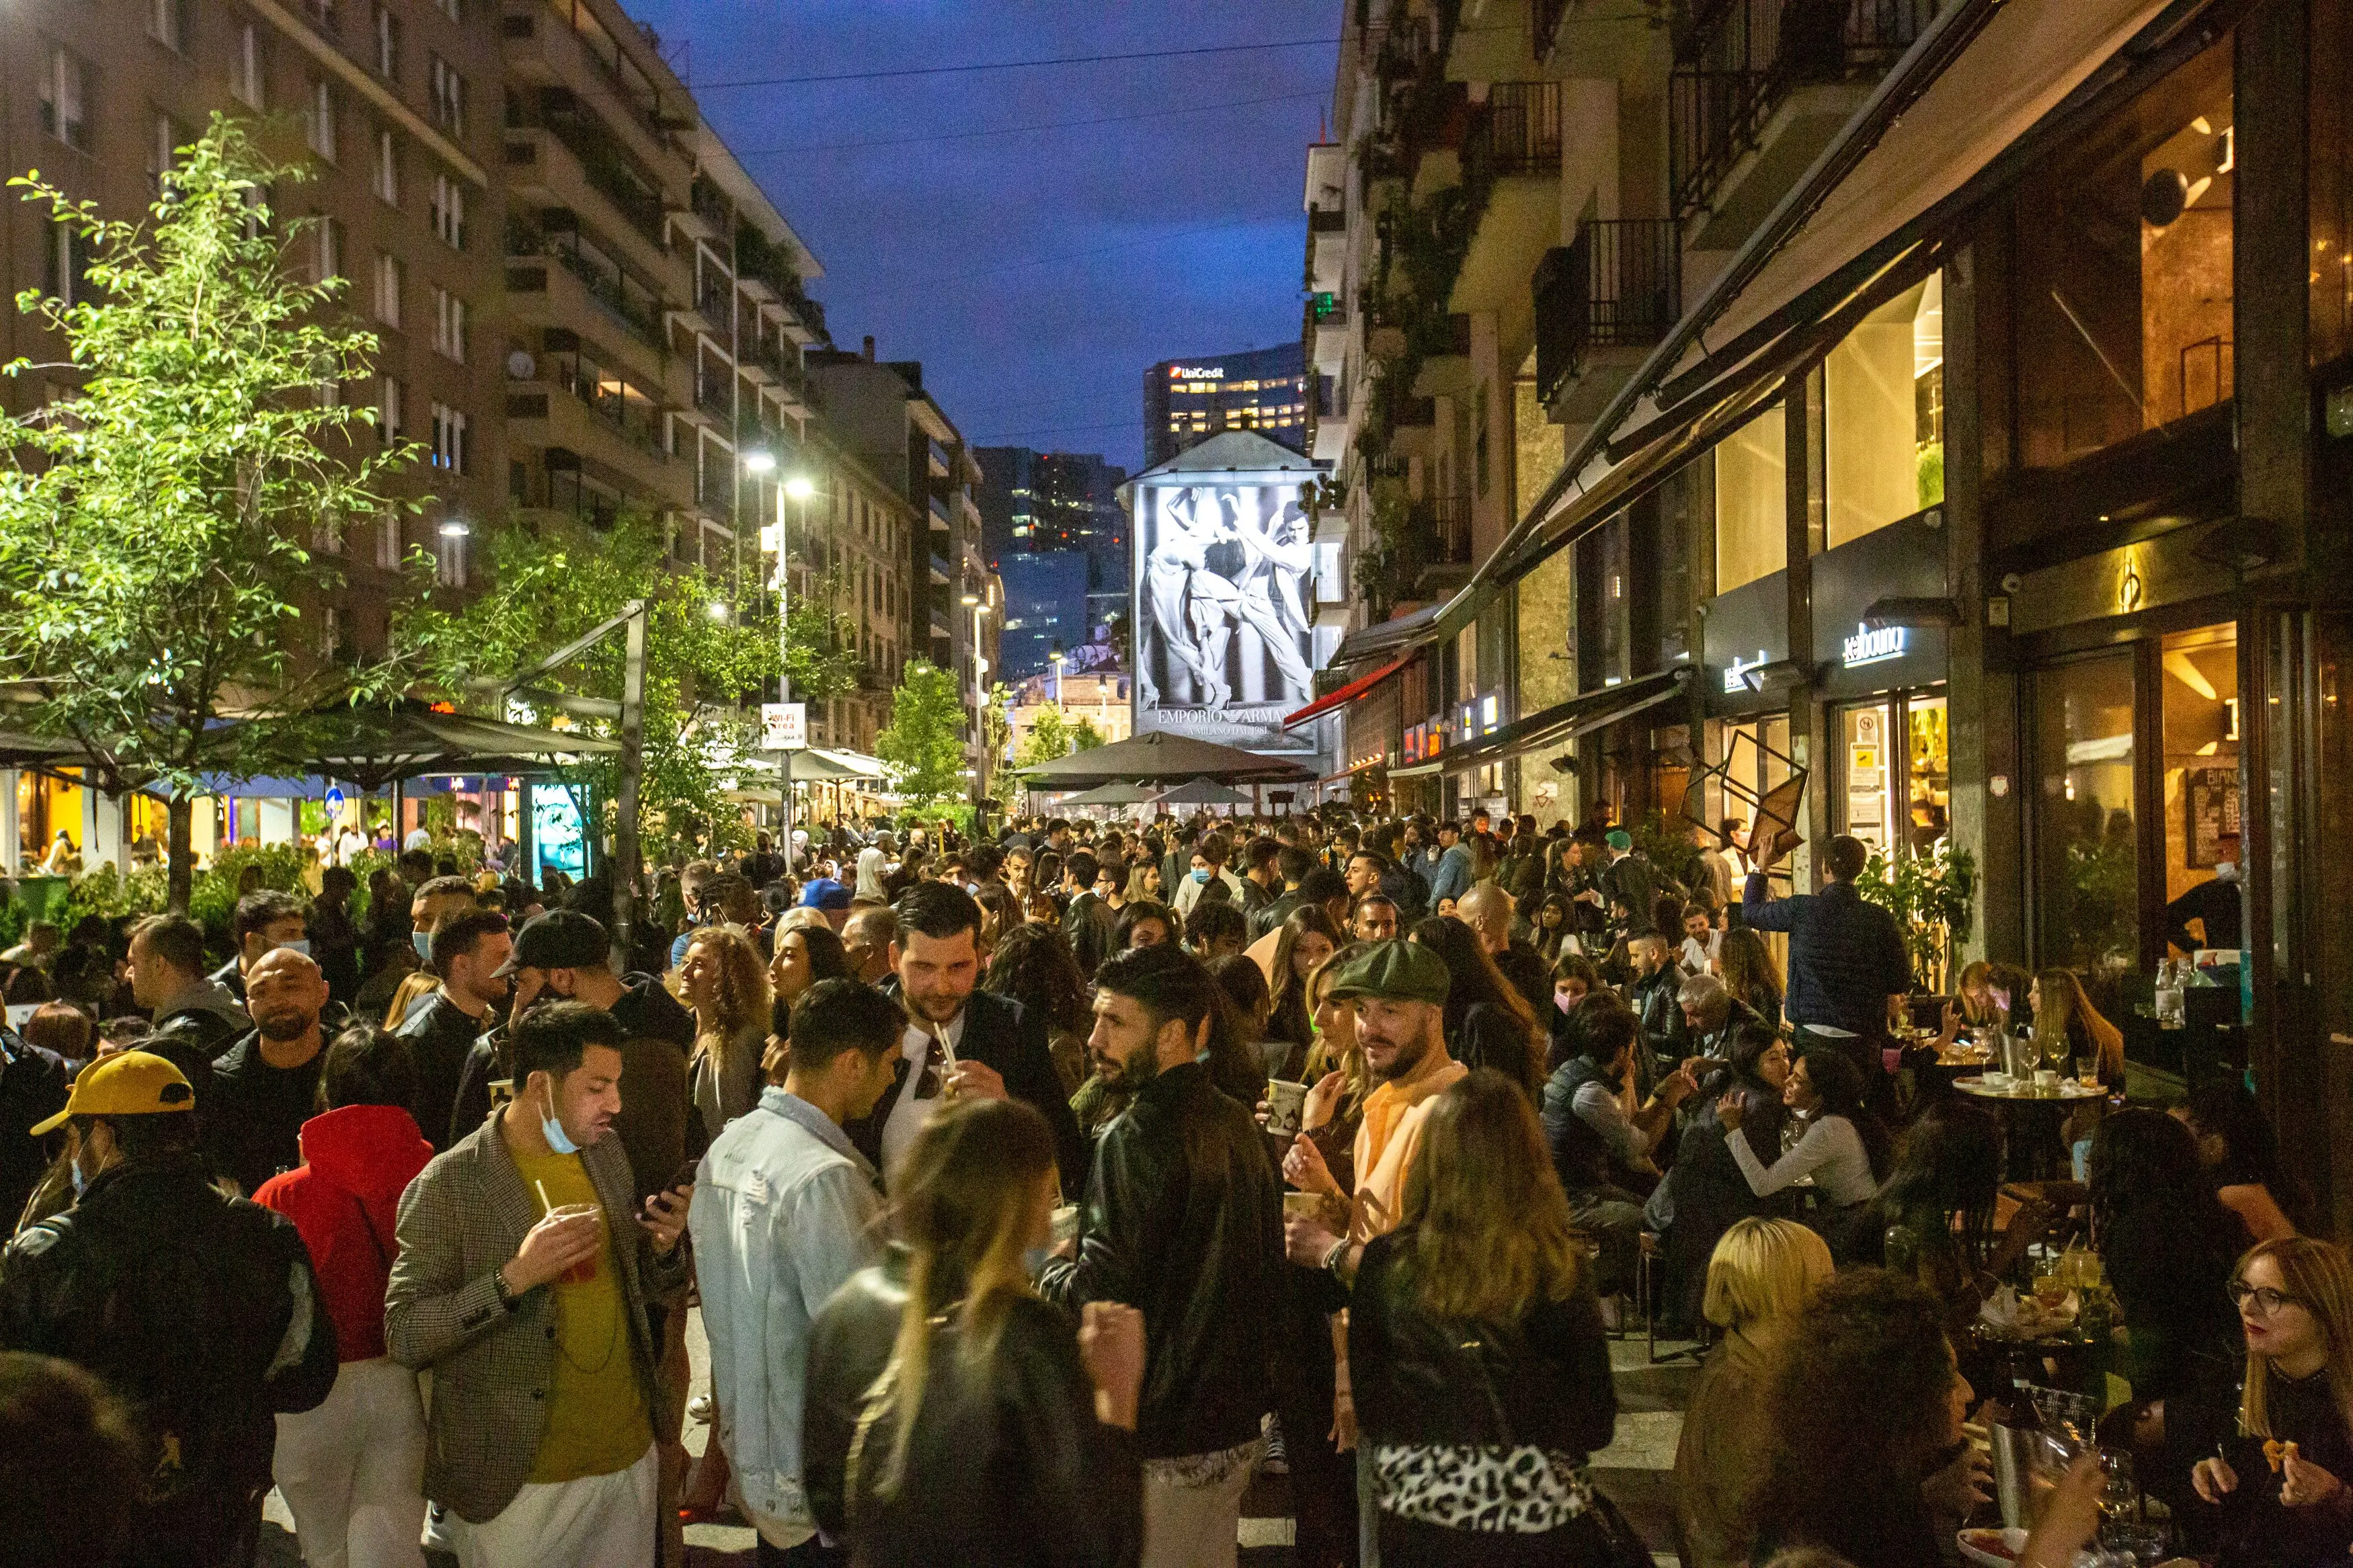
column 1932, row 896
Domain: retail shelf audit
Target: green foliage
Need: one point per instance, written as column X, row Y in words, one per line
column 1932, row 896
column 109, row 894
column 1055, row 734
column 701, row 668
column 1665, row 838
column 1930, row 475
column 156, row 554
column 922, row 745
column 996, row 725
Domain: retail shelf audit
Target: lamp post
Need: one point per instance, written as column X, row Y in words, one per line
column 1056, row 655
column 979, row 708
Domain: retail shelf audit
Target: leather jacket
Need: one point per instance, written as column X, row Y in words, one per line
column 200, row 1310
column 1420, row 1380
column 441, row 1036
column 1183, row 1220
column 1008, row 1465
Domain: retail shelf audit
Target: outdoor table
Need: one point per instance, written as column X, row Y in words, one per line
column 2031, row 1117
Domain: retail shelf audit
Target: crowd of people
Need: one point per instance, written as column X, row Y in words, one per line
column 1040, row 1193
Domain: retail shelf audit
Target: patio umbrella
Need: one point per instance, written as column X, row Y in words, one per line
column 1202, row 791
column 1109, row 795
column 1158, row 756
column 375, row 746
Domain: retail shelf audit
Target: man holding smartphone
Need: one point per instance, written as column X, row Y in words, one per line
column 521, row 1278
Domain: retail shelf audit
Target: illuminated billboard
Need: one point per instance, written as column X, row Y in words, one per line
column 1227, row 578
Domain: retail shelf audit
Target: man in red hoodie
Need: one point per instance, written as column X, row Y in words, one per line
column 353, row 1470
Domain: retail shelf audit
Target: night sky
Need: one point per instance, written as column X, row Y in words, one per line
column 1036, row 273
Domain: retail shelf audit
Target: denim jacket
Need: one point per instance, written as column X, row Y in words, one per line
column 784, row 1214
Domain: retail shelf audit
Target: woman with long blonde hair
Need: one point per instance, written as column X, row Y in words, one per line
column 1762, row 1274
column 1475, row 1347
column 951, row 1415
column 722, row 979
column 2284, row 1481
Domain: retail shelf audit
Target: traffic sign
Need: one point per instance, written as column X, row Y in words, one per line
column 334, row 798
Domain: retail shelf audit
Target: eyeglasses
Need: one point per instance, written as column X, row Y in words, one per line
column 2267, row 1301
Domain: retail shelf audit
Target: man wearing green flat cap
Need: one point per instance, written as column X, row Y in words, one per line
column 1398, row 988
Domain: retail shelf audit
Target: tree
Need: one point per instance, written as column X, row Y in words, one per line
column 922, row 745
column 996, row 728
column 157, row 526
column 711, row 658
column 1054, row 733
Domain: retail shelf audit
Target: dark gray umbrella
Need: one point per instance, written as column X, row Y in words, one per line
column 1158, row 756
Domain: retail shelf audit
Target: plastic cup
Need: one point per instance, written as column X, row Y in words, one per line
column 1286, row 1106
column 583, row 1271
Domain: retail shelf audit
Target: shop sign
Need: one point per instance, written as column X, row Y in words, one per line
column 1869, row 645
column 1734, row 684
column 784, row 726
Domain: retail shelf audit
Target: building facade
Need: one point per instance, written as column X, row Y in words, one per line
column 1960, row 440
column 1039, row 501
column 1187, row 401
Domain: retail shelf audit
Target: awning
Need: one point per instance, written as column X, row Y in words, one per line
column 1387, row 638
column 1349, row 693
column 1567, row 721
column 1988, row 90
column 1418, row 771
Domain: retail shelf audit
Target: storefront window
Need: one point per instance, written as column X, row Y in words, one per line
column 2201, row 772
column 1930, row 784
column 2085, row 854
column 1867, row 807
column 1752, row 498
column 1896, row 793
column 2124, row 272
column 1883, row 415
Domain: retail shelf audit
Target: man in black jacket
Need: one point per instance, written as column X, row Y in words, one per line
column 1183, row 1221
column 960, row 1040
column 200, row 1310
column 267, row 1085
column 470, row 951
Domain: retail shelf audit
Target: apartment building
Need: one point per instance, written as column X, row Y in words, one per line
column 879, row 411
column 1513, row 212
column 394, row 103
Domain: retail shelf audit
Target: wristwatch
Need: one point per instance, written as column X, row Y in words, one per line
column 507, row 1297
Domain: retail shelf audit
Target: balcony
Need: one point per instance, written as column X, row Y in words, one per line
column 583, row 288
column 1446, row 371
column 621, row 435
column 1438, row 546
column 1758, row 89
column 1511, row 179
column 1618, row 286
column 767, row 273
column 545, row 170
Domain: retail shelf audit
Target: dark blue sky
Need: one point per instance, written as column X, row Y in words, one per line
column 1035, row 274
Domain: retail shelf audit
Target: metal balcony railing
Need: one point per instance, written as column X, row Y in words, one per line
column 1516, row 132
column 1451, row 531
column 1741, row 58
column 1619, row 284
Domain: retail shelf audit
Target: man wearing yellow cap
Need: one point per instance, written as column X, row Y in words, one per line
column 200, row 1310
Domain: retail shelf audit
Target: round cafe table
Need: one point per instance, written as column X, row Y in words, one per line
column 2031, row 1117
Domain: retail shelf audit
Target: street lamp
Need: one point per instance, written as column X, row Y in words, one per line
column 979, row 702
column 1056, row 655
column 799, row 488
column 759, row 462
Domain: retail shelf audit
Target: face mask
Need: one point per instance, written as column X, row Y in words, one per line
column 1200, row 876
column 553, row 1129
column 79, row 1180
column 302, row 947
column 423, row 942
column 1565, row 1002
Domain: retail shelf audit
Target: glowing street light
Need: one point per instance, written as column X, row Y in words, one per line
column 759, row 462
column 799, row 487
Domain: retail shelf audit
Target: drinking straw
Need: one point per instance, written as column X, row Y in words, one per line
column 545, row 1206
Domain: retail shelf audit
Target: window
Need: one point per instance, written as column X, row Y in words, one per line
column 167, row 24
column 2086, row 853
column 319, row 122
column 448, row 439
column 66, row 259
column 164, row 140
column 450, row 212
column 327, row 236
column 2124, row 270
column 65, row 99
column 387, row 43
column 449, row 561
column 449, row 324
column 388, row 290
column 1883, row 415
column 387, row 414
column 387, row 168
column 448, row 90
column 1752, row 498
column 246, row 77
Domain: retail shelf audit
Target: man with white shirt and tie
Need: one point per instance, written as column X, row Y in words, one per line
column 960, row 1040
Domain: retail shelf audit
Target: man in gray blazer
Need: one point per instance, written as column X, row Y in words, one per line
column 522, row 1280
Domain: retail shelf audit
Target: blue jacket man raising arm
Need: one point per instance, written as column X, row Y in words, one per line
column 1846, row 957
